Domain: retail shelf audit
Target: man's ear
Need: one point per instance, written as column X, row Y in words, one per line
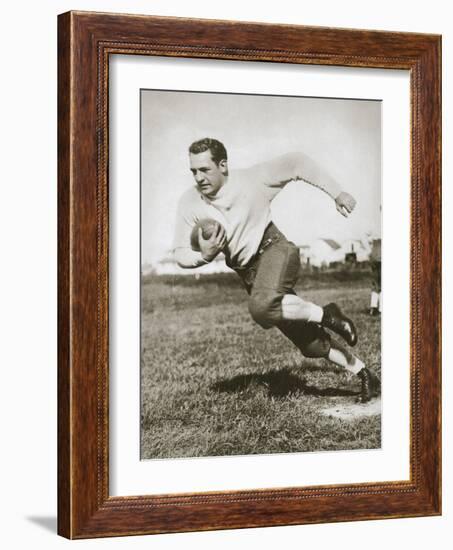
column 223, row 165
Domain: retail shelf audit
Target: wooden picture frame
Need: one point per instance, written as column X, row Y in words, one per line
column 85, row 42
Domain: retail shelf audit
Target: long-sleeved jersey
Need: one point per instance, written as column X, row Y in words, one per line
column 242, row 206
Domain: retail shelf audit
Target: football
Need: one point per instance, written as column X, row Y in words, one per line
column 208, row 227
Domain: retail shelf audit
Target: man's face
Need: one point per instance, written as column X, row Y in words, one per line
column 209, row 176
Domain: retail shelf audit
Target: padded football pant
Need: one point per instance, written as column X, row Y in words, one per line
column 271, row 274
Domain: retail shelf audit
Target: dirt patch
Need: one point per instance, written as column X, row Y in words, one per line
column 351, row 411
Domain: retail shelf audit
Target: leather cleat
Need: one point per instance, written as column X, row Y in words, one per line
column 334, row 319
column 371, row 385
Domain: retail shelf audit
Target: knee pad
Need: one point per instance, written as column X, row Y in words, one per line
column 316, row 350
column 265, row 308
column 318, row 346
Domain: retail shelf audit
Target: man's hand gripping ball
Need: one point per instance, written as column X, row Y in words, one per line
column 208, row 237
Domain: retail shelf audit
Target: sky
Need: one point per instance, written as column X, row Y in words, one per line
column 343, row 135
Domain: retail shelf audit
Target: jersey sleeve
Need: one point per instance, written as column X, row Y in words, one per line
column 276, row 173
column 186, row 257
column 186, row 219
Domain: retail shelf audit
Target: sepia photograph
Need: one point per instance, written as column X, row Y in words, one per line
column 261, row 297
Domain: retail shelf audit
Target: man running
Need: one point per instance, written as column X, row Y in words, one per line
column 264, row 259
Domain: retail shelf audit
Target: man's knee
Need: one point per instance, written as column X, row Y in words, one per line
column 316, row 343
column 316, row 349
column 265, row 308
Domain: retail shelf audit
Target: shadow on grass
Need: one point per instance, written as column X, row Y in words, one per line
column 327, row 367
column 279, row 383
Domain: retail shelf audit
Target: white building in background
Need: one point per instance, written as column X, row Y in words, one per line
column 358, row 247
column 323, row 252
column 304, row 254
column 319, row 253
column 168, row 266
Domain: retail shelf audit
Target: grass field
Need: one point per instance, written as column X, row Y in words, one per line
column 215, row 383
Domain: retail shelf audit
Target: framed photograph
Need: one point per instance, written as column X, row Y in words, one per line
column 249, row 275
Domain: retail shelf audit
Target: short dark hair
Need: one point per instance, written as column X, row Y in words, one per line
column 218, row 151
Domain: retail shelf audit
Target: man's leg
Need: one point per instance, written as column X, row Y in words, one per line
column 273, row 302
column 370, row 383
column 374, row 303
column 272, row 296
column 295, row 308
column 313, row 341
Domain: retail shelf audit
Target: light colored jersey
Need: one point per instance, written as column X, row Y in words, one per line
column 242, row 206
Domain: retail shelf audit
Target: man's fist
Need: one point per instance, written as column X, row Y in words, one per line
column 345, row 203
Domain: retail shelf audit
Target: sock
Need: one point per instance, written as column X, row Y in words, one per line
column 374, row 299
column 354, row 365
column 380, row 302
column 297, row 309
column 316, row 313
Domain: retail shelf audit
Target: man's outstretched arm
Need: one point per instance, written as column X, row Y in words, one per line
column 345, row 203
column 277, row 172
